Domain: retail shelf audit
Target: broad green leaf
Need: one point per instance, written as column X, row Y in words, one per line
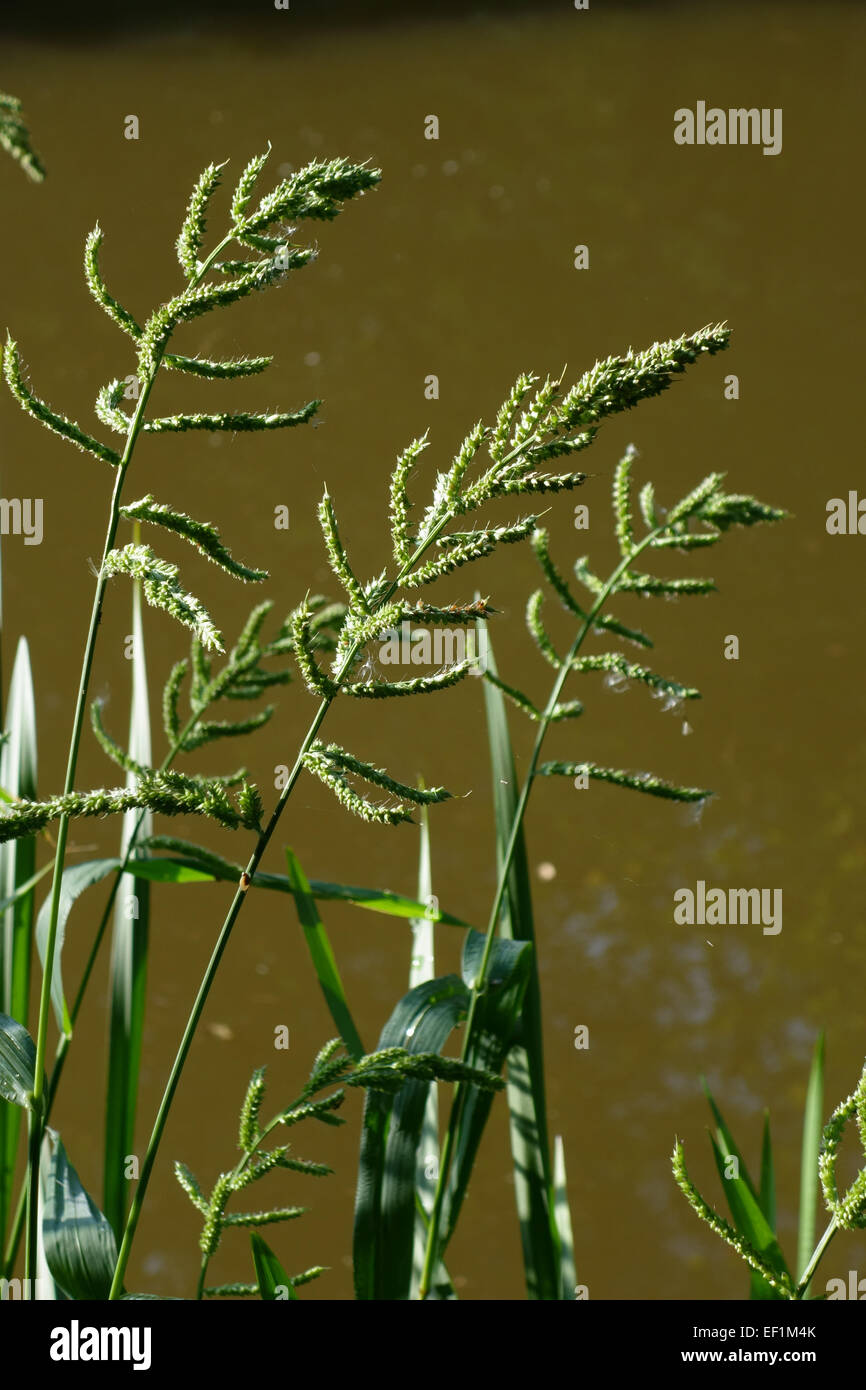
column 128, row 972
column 527, row 1104
column 386, row 1204
column 79, row 1243
column 812, row 1130
column 18, row 765
column 324, row 962
column 498, row 1013
column 385, row 1200
column 17, row 1061
column 76, row 879
column 273, row 1281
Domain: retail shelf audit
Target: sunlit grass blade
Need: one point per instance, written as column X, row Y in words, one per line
column 746, row 1207
column 533, row 1187
column 322, row 956
column 562, row 1216
column 47, row 1288
column 18, row 766
column 207, row 867
column 128, row 963
column 273, row 1281
column 76, row 879
column 422, row 968
column 812, row 1128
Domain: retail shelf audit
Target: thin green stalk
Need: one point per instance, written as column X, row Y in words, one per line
column 459, row 1098
column 817, row 1255
column 234, row 910
column 37, row 1101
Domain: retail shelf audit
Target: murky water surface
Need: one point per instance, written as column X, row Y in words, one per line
column 555, row 130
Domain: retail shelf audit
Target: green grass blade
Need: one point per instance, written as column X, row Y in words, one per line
column 17, row 1061
column 562, row 1216
column 204, row 870
column 527, row 1105
column 749, row 1219
column 768, row 1175
column 18, row 767
column 273, row 1281
column 79, row 1243
column 128, row 974
column 726, row 1142
column 324, row 961
column 385, row 1210
column 812, row 1130
column 76, row 880
column 750, row 1216
column 421, row 969
column 47, row 1288
column 497, row 1015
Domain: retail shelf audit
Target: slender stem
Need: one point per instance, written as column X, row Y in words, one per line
column 817, row 1255
column 237, row 902
column 37, row 1103
column 432, row 1252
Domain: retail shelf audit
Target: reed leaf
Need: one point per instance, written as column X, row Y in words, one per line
column 527, row 1105
column 18, row 773
column 322, row 957
column 810, row 1152
column 129, row 956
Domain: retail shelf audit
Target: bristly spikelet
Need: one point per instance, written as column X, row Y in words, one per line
column 337, row 557
column 400, row 504
column 619, row 383
column 780, row 1282
column 107, row 407
column 15, row 138
column 160, row 586
column 165, row 793
column 644, row 782
column 249, row 1131
column 622, row 504
column 95, row 283
column 849, row 1210
column 201, row 534
column 191, row 237
column 67, row 429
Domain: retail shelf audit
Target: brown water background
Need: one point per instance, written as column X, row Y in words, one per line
column 556, row 128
